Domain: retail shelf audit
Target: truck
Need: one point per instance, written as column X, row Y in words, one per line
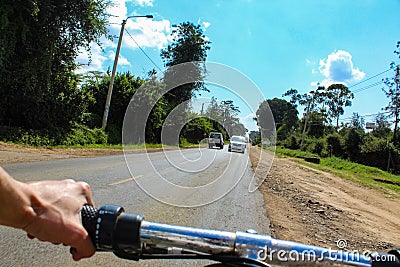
column 216, row 139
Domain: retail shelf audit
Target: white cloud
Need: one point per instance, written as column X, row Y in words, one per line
column 148, row 33
column 339, row 68
column 309, row 62
column 206, row 24
column 249, row 122
column 144, row 2
column 122, row 61
column 97, row 59
column 118, row 11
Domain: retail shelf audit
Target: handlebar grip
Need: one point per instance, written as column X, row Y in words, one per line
column 111, row 229
column 89, row 217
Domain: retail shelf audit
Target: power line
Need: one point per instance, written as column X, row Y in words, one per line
column 370, row 78
column 366, row 115
column 141, row 49
column 367, row 87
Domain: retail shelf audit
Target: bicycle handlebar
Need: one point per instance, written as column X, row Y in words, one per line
column 129, row 236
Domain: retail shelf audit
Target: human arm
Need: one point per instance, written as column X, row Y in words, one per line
column 48, row 211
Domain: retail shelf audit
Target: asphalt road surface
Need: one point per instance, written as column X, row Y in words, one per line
column 205, row 188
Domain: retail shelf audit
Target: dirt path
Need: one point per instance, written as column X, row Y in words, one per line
column 316, row 207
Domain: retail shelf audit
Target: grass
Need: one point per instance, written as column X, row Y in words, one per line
column 282, row 152
column 369, row 176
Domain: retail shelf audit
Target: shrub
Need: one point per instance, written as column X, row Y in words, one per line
column 291, row 143
column 82, row 135
column 77, row 135
column 353, row 142
column 334, row 145
column 318, row 146
column 375, row 152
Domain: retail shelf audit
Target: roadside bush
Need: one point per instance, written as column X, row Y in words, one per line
column 38, row 138
column 375, row 153
column 352, row 143
column 196, row 130
column 334, row 145
column 114, row 134
column 291, row 143
column 317, row 147
column 82, row 135
column 77, row 135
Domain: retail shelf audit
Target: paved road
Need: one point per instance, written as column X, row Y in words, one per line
column 200, row 176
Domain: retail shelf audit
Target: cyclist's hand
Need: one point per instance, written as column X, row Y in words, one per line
column 47, row 210
column 56, row 211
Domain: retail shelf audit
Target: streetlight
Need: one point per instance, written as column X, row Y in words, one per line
column 110, row 88
column 310, row 102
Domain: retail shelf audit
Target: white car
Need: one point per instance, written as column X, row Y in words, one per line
column 237, row 143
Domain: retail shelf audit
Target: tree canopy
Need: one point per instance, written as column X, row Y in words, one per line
column 190, row 46
column 39, row 42
column 284, row 114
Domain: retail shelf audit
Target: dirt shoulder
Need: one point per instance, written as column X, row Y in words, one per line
column 315, row 207
column 12, row 153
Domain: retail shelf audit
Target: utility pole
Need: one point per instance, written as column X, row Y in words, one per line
column 397, row 100
column 110, row 88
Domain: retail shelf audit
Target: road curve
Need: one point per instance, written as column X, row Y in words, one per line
column 112, row 182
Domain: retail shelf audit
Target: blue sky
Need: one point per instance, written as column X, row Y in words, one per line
column 278, row 44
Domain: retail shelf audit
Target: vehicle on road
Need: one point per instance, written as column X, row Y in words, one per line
column 130, row 237
column 216, row 139
column 237, row 143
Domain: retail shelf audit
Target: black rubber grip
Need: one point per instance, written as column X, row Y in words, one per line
column 90, row 216
column 111, row 229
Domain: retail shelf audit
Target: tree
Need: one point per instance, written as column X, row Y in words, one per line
column 353, row 142
column 338, row 97
column 229, row 115
column 224, row 117
column 382, row 126
column 316, row 122
column 125, row 85
column 39, row 89
column 356, row 122
column 190, row 46
column 393, row 93
column 284, row 113
column 213, row 110
column 311, row 102
column 334, row 145
column 196, row 130
column 255, row 137
column 239, row 129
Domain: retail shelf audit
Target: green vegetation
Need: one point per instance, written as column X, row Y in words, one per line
column 318, row 131
column 44, row 103
column 369, row 176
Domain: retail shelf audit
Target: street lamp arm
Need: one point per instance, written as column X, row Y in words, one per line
column 145, row 16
